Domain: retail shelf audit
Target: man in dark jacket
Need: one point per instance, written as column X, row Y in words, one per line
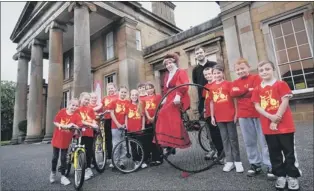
column 198, row 76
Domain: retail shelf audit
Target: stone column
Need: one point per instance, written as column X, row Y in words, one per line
column 34, row 110
column 82, row 53
column 130, row 58
column 20, row 94
column 55, row 75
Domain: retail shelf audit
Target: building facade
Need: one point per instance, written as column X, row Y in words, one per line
column 91, row 44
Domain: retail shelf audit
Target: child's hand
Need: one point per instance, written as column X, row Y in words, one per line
column 235, row 119
column 273, row 126
column 94, row 125
column 251, row 89
column 213, row 121
column 275, row 118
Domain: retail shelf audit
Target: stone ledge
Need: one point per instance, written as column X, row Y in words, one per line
column 184, row 35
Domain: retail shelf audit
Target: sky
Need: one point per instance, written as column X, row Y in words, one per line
column 187, row 14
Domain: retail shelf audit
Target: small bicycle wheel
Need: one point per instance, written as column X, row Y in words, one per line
column 99, row 154
column 204, row 138
column 79, row 169
column 128, row 155
column 68, row 161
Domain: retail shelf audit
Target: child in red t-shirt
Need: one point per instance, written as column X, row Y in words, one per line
column 118, row 112
column 94, row 103
column 223, row 111
column 271, row 99
column 62, row 136
column 214, row 130
column 150, row 104
column 111, row 96
column 249, row 119
column 89, row 121
column 142, row 91
column 135, row 123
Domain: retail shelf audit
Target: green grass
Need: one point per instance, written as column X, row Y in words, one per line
column 5, row 143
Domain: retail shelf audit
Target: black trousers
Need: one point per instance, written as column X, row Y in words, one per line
column 108, row 137
column 135, row 152
column 201, row 106
column 151, row 148
column 88, row 142
column 278, row 144
column 215, row 136
column 55, row 158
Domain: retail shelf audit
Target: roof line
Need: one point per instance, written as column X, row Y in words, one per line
column 27, row 4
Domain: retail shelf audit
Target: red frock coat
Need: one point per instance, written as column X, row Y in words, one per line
column 170, row 131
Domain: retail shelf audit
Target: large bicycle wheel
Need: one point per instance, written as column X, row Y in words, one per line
column 100, row 153
column 191, row 159
column 204, row 138
column 128, row 155
column 79, row 169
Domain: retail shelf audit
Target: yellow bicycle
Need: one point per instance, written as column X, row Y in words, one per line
column 77, row 158
column 100, row 151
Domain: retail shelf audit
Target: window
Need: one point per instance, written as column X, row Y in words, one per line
column 65, row 99
column 109, row 79
column 210, row 57
column 109, row 46
column 66, row 68
column 293, row 53
column 138, row 40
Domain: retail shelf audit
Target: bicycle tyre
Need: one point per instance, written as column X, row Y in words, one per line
column 204, row 129
column 69, row 161
column 81, row 159
column 136, row 167
column 195, row 169
column 99, row 168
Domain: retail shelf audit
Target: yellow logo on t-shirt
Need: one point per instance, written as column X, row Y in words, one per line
column 133, row 114
column 120, row 108
column 85, row 117
column 107, row 102
column 150, row 105
column 218, row 96
column 268, row 100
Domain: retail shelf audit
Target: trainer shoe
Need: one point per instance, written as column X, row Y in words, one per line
column 65, row 181
column 270, row 175
column 254, row 170
column 228, row 167
column 239, row 167
column 111, row 165
column 211, row 155
column 281, row 182
column 293, row 183
column 52, row 177
column 144, row 165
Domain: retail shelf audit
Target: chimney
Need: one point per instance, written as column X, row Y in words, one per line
column 165, row 10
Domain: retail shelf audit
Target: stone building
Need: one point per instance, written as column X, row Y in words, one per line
column 121, row 42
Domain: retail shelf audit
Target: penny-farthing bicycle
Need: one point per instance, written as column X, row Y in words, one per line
column 190, row 159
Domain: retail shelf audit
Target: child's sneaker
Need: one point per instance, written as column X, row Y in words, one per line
column 239, row 167
column 65, row 181
column 111, row 165
column 89, row 172
column 293, row 183
column 270, row 175
column 144, row 165
column 254, row 170
column 228, row 167
column 281, row 182
column 52, row 177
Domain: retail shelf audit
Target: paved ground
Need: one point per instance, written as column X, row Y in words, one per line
column 27, row 167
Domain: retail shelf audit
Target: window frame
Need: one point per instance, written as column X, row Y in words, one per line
column 265, row 26
column 108, row 46
column 68, row 93
column 105, row 82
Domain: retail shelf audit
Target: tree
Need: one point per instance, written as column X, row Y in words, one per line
column 7, row 108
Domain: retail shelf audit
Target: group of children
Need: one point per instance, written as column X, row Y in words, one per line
column 134, row 111
column 259, row 102
column 261, row 105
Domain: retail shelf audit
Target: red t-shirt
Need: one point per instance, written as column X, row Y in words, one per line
column 134, row 118
column 93, row 106
column 150, row 104
column 87, row 114
column 142, row 98
column 246, row 107
column 224, row 110
column 269, row 98
column 106, row 101
column 119, row 108
column 62, row 137
column 207, row 100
